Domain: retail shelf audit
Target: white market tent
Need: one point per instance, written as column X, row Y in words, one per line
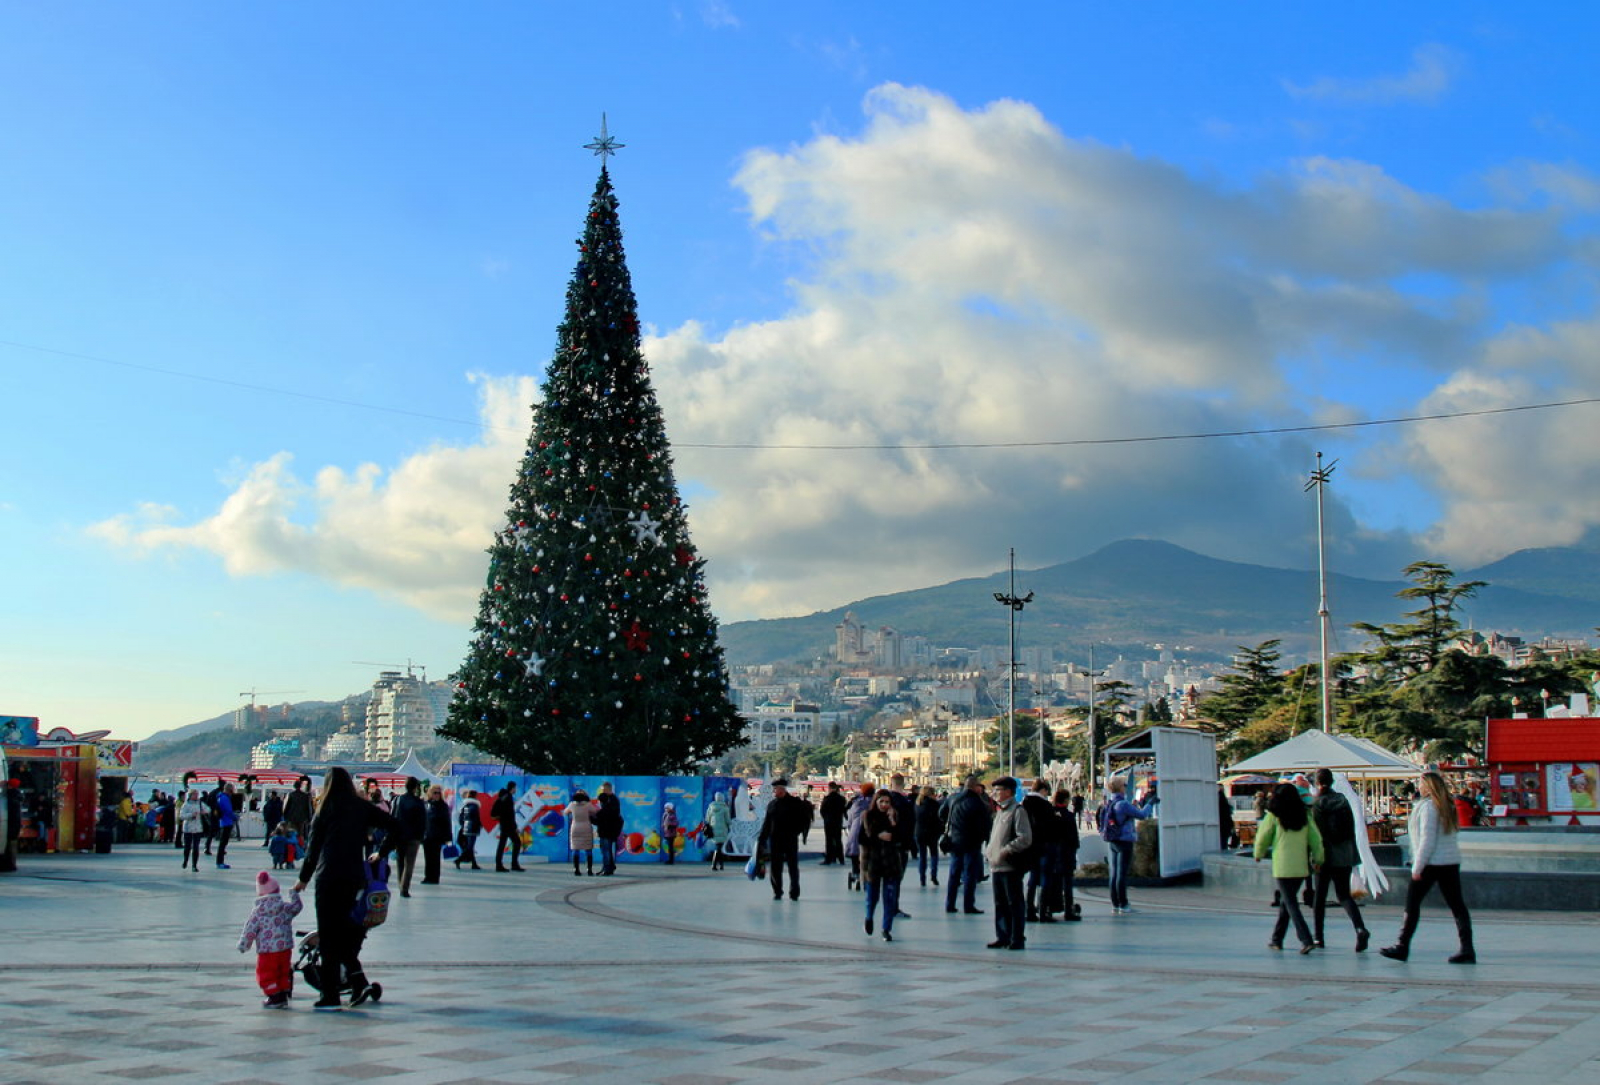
column 1358, row 758
column 412, row 767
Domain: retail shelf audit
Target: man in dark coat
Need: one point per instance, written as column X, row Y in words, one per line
column 788, row 817
column 271, row 814
column 1070, row 840
column 834, row 806
column 1044, row 870
column 297, row 810
column 412, row 813
column 1337, row 824
column 504, row 812
column 967, row 823
column 608, row 827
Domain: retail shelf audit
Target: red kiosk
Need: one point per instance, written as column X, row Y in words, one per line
column 1545, row 770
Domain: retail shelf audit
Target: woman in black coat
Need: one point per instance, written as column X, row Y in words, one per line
column 435, row 834
column 336, row 862
column 929, row 828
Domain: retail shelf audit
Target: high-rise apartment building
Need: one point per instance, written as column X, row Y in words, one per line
column 404, row 712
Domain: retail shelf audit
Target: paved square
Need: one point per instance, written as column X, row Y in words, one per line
column 123, row 966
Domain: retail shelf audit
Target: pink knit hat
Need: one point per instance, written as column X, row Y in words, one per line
column 266, row 885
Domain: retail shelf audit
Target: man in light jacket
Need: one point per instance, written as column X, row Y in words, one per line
column 1010, row 839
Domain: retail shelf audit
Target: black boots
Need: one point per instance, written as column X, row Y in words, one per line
column 1466, row 954
column 1397, row 952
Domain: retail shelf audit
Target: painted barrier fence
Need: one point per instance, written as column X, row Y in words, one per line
column 542, row 800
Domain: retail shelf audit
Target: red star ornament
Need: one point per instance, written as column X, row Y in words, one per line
column 636, row 637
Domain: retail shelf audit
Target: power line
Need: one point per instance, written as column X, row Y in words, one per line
column 1201, row 436
column 1204, row 435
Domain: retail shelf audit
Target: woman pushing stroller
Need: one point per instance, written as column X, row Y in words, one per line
column 336, row 864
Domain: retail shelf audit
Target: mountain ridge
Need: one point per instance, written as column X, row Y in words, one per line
column 1149, row 590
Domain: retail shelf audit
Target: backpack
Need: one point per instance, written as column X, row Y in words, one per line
column 1110, row 824
column 372, row 903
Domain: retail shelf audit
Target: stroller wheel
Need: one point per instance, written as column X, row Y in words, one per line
column 375, row 992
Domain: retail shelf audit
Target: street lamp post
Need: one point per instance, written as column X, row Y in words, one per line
column 1015, row 604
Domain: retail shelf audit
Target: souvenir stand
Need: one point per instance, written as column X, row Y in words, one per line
column 1544, row 771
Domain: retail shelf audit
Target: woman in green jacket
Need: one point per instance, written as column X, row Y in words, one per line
column 1288, row 832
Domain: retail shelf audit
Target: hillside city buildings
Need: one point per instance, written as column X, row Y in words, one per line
column 929, row 710
column 902, row 705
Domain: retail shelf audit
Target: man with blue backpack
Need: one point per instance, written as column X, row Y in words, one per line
column 1119, row 828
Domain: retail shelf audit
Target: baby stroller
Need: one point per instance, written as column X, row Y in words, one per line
column 371, row 909
column 308, row 963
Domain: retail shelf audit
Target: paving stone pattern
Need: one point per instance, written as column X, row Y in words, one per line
column 121, row 966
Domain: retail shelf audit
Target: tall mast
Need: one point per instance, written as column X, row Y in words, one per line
column 1319, row 481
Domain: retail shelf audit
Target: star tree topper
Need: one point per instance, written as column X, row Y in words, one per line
column 603, row 144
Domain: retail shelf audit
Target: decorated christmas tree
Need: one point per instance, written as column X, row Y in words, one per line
column 594, row 649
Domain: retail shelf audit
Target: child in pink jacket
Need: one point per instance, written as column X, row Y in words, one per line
column 271, row 928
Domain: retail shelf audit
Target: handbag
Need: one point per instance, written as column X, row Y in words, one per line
column 450, row 851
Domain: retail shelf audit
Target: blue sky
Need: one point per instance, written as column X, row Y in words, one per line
column 278, row 282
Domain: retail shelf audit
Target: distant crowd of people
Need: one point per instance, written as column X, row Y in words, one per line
column 1024, row 843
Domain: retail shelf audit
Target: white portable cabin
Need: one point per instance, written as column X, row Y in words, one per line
column 1186, row 770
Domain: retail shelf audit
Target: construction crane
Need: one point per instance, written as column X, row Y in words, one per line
column 254, row 693
column 408, row 665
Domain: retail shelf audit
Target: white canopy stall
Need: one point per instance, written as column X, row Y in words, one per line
column 1359, row 758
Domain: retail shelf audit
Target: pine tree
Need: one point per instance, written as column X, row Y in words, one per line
column 594, row 649
column 1253, row 684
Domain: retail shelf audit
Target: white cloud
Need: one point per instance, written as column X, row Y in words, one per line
column 975, row 276
column 416, row 533
column 1515, row 480
column 1433, row 71
column 1563, row 184
column 718, row 15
